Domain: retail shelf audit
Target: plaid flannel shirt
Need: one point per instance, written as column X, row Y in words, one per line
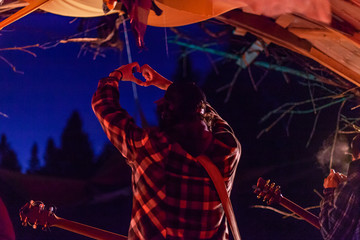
column 173, row 197
column 340, row 209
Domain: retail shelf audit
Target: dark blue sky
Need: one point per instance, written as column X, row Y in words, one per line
column 58, row 81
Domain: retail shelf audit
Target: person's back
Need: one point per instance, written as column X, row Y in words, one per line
column 340, row 209
column 173, row 197
column 6, row 226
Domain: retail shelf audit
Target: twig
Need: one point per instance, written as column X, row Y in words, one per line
column 285, row 214
column 348, row 132
column 311, row 97
column 275, row 122
column 335, row 136
column 11, row 65
column 305, row 102
column 262, row 78
column 80, row 40
column 252, row 78
column 24, row 49
column 275, row 210
column 233, row 81
column 317, row 193
column 288, row 125
column 286, row 77
column 307, row 208
column 323, row 106
column 213, row 65
column 313, row 129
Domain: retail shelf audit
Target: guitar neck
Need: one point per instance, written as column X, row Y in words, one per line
column 306, row 215
column 86, row 230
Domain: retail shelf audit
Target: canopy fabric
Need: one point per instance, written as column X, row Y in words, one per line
column 179, row 13
column 74, row 8
column 327, row 31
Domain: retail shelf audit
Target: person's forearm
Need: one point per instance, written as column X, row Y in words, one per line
column 106, row 99
column 163, row 83
column 115, row 121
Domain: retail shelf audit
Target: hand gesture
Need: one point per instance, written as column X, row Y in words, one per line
column 334, row 179
column 126, row 73
column 154, row 78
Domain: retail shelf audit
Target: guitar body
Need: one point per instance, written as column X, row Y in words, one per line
column 35, row 214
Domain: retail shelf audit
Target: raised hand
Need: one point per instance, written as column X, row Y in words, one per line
column 334, row 179
column 154, row 78
column 126, row 73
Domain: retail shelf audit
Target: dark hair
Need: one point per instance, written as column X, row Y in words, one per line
column 187, row 99
column 355, row 146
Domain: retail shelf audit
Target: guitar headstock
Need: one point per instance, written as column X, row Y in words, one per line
column 35, row 214
column 268, row 191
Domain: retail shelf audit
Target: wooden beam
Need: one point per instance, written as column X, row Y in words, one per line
column 33, row 6
column 264, row 27
column 334, row 65
column 308, row 33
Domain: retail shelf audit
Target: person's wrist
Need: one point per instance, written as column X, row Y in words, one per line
column 121, row 74
column 117, row 74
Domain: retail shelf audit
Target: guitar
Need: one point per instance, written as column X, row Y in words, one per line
column 35, row 214
column 272, row 194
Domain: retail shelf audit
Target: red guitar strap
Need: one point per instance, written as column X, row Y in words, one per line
column 218, row 181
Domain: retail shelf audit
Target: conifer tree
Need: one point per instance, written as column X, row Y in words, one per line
column 34, row 163
column 52, row 160
column 8, row 158
column 76, row 150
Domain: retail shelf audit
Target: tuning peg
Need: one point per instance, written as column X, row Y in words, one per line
column 41, row 206
column 51, row 210
column 35, row 225
column 25, row 221
column 261, row 194
column 266, row 198
column 267, row 182
column 44, row 227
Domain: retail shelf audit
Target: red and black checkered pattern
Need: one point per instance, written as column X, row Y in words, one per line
column 173, row 197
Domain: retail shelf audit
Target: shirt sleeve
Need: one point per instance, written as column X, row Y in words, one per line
column 223, row 132
column 221, row 129
column 117, row 124
column 339, row 212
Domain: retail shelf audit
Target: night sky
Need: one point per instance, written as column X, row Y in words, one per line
column 36, row 105
column 59, row 80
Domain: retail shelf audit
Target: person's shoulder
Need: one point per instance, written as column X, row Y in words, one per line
column 228, row 138
column 354, row 169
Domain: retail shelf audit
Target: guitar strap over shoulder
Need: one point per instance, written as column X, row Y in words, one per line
column 219, row 183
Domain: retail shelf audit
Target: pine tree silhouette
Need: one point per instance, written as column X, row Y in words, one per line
column 8, row 158
column 52, row 158
column 76, row 150
column 34, row 163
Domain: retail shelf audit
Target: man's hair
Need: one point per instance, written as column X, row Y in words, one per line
column 187, row 99
column 355, row 146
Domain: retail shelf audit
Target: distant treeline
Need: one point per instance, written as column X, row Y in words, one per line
column 74, row 157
